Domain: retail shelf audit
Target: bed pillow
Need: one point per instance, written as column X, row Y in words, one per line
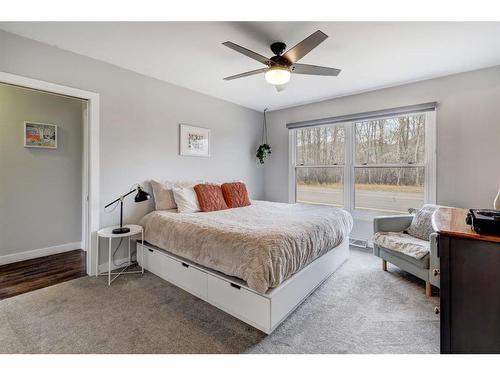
column 235, row 194
column 210, row 197
column 163, row 195
column 421, row 225
column 186, row 199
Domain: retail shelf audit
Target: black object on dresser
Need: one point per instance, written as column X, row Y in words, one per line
column 484, row 221
column 470, row 285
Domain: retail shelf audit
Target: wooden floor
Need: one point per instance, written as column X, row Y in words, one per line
column 21, row 277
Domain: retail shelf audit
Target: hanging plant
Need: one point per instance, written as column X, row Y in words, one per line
column 264, row 149
column 262, row 152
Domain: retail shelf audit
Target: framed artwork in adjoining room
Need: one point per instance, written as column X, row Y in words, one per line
column 40, row 135
column 194, row 141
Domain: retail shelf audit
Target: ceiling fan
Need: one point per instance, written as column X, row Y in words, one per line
column 280, row 66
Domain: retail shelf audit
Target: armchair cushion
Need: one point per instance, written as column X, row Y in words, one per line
column 417, row 267
column 402, row 243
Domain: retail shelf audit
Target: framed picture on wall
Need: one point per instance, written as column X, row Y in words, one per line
column 40, row 135
column 194, row 141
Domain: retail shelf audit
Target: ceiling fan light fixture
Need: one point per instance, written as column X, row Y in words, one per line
column 280, row 67
column 278, row 75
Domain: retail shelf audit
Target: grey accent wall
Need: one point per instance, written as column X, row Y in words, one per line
column 40, row 189
column 139, row 122
column 468, row 133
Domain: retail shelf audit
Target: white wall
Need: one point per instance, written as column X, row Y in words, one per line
column 140, row 117
column 468, row 135
column 40, row 189
column 139, row 122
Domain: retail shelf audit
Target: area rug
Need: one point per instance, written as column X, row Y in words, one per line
column 360, row 309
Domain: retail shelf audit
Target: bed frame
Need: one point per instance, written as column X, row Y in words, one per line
column 262, row 311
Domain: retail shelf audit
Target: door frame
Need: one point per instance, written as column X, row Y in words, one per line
column 90, row 170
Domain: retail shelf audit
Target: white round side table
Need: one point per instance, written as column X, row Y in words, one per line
column 108, row 233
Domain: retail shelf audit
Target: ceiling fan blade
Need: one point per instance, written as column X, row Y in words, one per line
column 280, row 88
column 314, row 70
column 303, row 48
column 246, row 74
column 245, row 51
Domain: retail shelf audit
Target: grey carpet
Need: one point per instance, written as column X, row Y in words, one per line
column 360, row 309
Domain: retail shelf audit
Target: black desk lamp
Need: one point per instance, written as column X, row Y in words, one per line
column 141, row 196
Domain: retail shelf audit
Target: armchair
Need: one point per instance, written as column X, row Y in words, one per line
column 424, row 267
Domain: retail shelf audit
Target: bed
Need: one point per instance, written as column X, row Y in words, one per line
column 272, row 254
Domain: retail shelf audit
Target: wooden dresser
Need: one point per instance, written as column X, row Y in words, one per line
column 470, row 285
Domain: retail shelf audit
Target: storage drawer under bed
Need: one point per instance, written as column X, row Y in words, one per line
column 179, row 273
column 236, row 300
column 262, row 312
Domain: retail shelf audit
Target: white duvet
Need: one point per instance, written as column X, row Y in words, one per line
column 263, row 244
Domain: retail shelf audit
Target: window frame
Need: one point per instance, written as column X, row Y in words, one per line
column 343, row 165
column 429, row 165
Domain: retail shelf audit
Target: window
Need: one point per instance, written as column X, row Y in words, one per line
column 320, row 165
column 389, row 163
column 380, row 165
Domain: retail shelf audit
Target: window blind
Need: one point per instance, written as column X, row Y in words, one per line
column 392, row 112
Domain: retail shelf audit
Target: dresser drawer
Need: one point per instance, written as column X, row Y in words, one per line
column 240, row 302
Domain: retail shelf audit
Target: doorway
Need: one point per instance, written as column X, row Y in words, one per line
column 41, row 164
column 90, row 161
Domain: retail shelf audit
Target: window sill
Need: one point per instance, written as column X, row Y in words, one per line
column 357, row 214
column 369, row 216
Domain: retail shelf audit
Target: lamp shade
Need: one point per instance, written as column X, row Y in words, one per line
column 142, row 195
column 277, row 75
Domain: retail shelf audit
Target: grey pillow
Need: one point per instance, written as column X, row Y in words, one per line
column 164, row 197
column 421, row 225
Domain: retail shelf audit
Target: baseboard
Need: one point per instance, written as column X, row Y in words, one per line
column 37, row 253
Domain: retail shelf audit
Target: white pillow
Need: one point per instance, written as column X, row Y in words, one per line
column 163, row 194
column 186, row 199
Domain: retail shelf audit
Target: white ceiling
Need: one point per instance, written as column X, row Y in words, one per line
column 190, row 54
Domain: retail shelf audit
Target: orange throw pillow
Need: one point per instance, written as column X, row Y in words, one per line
column 235, row 194
column 210, row 197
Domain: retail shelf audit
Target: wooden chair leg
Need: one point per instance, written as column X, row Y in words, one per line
column 384, row 264
column 428, row 289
